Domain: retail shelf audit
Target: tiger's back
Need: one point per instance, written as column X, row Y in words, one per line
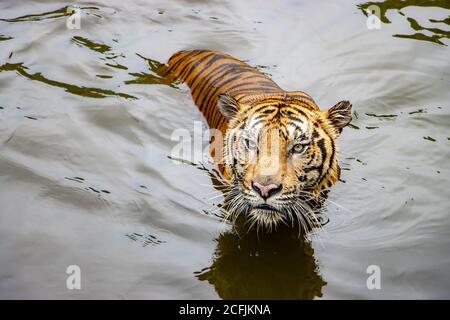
column 209, row 74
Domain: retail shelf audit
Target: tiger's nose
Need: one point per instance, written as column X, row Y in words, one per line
column 266, row 190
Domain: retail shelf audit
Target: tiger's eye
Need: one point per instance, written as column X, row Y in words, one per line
column 298, row 148
column 250, row 144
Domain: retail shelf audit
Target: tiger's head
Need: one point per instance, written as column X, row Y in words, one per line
column 278, row 153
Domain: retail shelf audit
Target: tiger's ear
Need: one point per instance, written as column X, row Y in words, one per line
column 340, row 115
column 228, row 106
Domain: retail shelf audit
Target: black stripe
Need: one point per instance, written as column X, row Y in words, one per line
column 319, row 168
column 252, row 76
column 300, row 97
column 211, row 75
column 254, row 89
column 206, row 67
column 330, row 161
column 256, row 122
column 267, row 84
column 217, row 82
column 294, row 119
column 175, row 66
column 192, row 66
column 259, row 108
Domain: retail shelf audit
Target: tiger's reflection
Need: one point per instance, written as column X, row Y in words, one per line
column 252, row 265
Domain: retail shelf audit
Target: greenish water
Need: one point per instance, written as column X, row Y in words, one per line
column 86, row 177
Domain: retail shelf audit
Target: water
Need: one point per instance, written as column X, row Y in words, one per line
column 85, row 140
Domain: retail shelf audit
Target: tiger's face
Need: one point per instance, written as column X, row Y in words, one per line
column 278, row 155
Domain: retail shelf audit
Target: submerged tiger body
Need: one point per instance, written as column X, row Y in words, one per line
column 279, row 149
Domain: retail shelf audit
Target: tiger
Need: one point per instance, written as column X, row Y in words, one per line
column 279, row 150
